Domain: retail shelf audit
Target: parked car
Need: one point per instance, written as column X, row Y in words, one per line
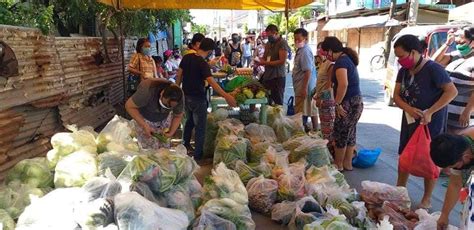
column 432, row 36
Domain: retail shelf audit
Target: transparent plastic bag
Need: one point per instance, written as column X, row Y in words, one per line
column 95, row 214
column 245, row 172
column 429, row 221
column 113, row 161
column 280, row 160
column 210, row 221
column 306, row 212
column 65, row 143
column 258, row 150
column 212, row 129
column 291, row 184
column 230, row 149
column 6, row 222
column 179, row 198
column 396, row 218
column 117, row 136
column 134, row 212
column 143, row 189
column 262, row 194
column 260, row 133
column 44, row 212
column 230, row 127
column 314, row 150
column 330, row 222
column 100, row 187
column 224, row 183
column 231, row 210
column 283, row 212
column 287, row 127
column 34, row 172
column 195, row 192
column 75, row 169
column 375, row 193
column 16, row 196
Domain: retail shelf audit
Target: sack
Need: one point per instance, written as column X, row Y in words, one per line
column 366, row 158
column 291, row 107
column 415, row 158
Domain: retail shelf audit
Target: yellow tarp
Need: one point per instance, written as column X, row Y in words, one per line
column 207, row 4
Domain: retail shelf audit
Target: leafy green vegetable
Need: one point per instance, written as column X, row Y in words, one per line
column 230, row 149
column 229, row 209
column 75, row 169
column 224, row 183
column 16, row 196
column 34, row 172
column 5, row 219
column 161, row 137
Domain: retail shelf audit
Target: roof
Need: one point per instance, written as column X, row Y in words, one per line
column 462, row 13
column 359, row 22
column 208, row 4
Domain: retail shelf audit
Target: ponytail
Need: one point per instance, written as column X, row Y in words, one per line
column 352, row 55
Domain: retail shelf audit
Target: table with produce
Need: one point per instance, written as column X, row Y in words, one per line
column 105, row 180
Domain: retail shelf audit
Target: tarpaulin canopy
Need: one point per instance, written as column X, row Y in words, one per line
column 208, row 4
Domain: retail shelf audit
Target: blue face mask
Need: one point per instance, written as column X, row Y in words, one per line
column 146, row 51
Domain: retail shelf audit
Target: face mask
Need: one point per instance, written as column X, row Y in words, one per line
column 300, row 45
column 464, row 49
column 322, row 53
column 209, row 55
column 163, row 105
column 407, row 62
column 146, row 51
column 271, row 39
column 259, row 43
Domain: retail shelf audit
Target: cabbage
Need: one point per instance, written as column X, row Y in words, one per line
column 117, row 136
column 67, row 143
column 34, row 172
column 75, row 169
column 112, row 161
column 6, row 221
column 17, row 196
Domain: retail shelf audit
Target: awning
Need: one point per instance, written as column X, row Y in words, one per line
column 462, row 13
column 208, row 4
column 312, row 26
column 360, row 22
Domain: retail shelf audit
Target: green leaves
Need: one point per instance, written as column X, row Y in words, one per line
column 28, row 15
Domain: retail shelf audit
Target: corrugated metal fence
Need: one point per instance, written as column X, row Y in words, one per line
column 59, row 83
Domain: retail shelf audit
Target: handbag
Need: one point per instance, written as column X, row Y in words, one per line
column 291, row 107
column 133, row 80
column 415, row 158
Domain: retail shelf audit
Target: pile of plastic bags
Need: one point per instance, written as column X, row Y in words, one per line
column 284, row 126
column 224, row 196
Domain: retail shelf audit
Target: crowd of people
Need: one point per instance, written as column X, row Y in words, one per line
column 434, row 91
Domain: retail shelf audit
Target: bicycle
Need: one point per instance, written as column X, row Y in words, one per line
column 377, row 62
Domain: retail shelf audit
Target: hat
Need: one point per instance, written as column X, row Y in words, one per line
column 447, row 149
column 168, row 53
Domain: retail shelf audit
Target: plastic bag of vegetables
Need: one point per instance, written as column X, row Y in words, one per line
column 315, row 151
column 283, row 212
column 6, row 222
column 16, row 196
column 263, row 168
column 43, row 213
column 245, row 172
column 285, row 127
column 306, row 212
column 224, row 183
column 230, row 149
column 113, row 161
column 211, row 130
column 258, row 150
column 179, row 198
column 75, row 169
column 34, row 172
column 100, row 187
column 117, row 136
column 330, row 223
column 195, row 191
column 95, row 214
column 281, row 163
column 231, row 210
column 134, row 212
column 230, row 127
column 291, row 182
column 375, row 193
column 175, row 163
column 260, row 133
column 67, row 143
column 262, row 194
column 208, row 220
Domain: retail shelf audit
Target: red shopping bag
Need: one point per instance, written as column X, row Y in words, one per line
column 415, row 158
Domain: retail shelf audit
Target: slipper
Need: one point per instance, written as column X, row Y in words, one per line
column 445, row 184
column 349, row 170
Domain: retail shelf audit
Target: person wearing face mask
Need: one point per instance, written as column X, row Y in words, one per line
column 423, row 89
column 233, row 52
column 348, row 100
column 192, row 73
column 460, row 66
column 274, row 60
column 156, row 108
column 141, row 63
column 193, row 46
column 304, row 79
column 455, row 152
column 258, row 55
column 324, row 96
column 247, row 53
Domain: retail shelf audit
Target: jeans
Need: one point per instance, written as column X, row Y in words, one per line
column 196, row 118
column 246, row 61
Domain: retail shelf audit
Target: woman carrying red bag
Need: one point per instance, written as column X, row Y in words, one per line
column 422, row 91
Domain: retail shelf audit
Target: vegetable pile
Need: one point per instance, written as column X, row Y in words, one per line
column 250, row 89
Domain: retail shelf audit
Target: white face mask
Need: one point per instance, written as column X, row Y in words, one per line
column 163, row 105
column 300, row 45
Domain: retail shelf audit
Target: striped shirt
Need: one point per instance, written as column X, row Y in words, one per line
column 144, row 64
column 461, row 71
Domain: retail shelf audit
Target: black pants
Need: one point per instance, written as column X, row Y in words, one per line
column 276, row 87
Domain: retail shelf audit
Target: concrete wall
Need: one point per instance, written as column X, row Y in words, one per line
column 59, row 83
